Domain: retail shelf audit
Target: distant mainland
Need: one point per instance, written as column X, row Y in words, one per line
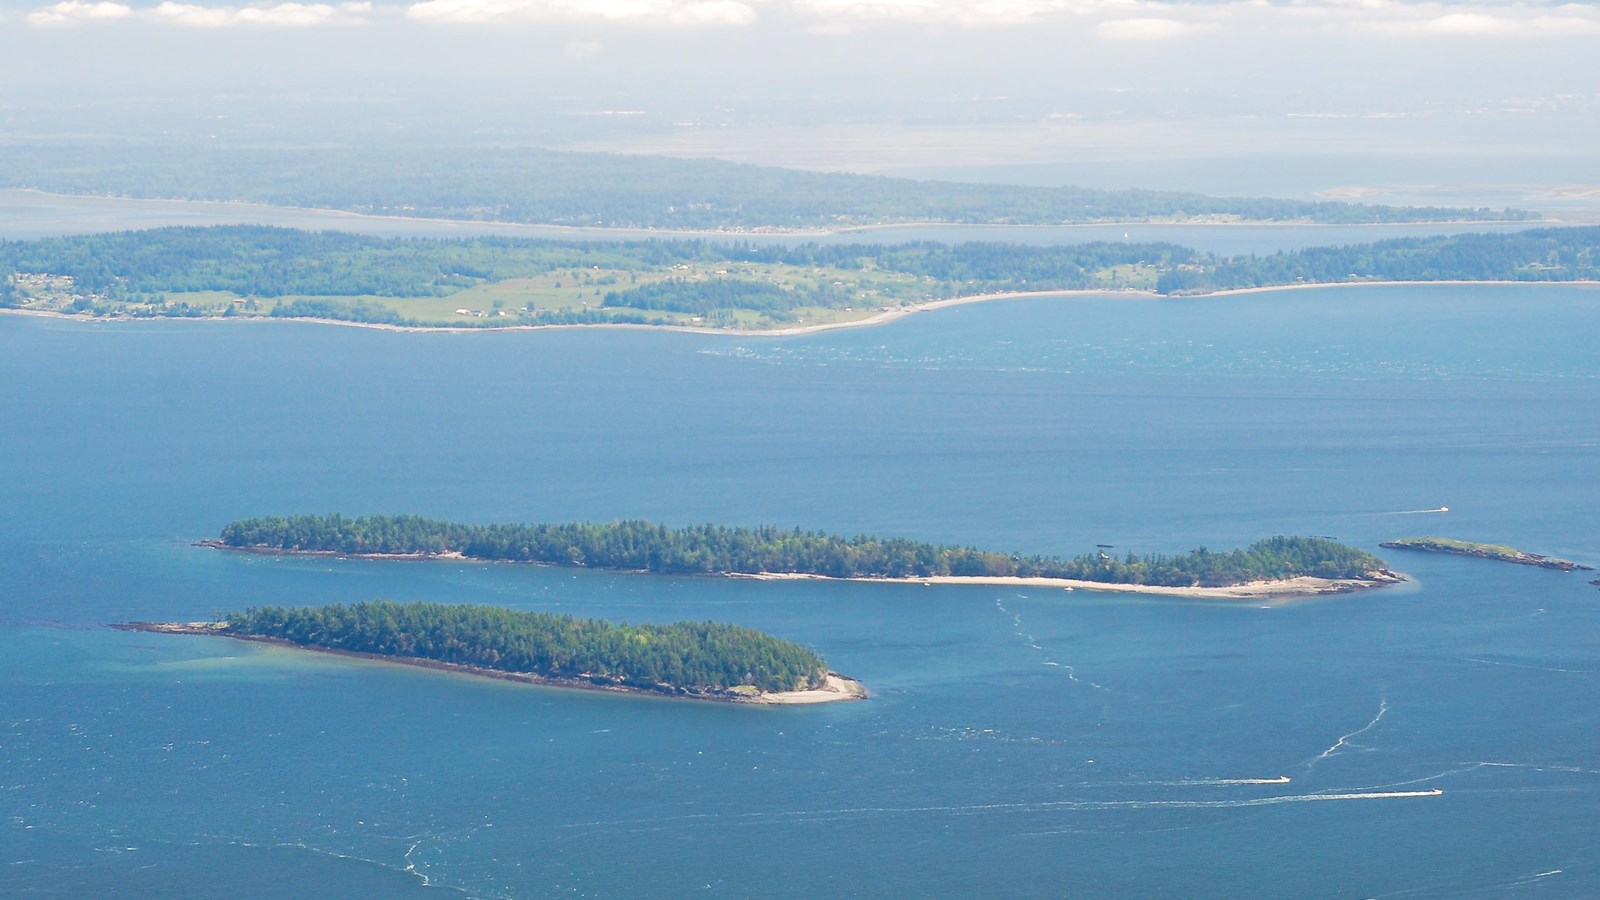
column 260, row 273
column 586, row 189
column 1274, row 567
column 693, row 660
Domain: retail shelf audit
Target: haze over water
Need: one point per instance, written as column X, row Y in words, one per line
column 1020, row 742
column 29, row 215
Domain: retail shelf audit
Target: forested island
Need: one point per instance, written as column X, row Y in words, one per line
column 1497, row 552
column 686, row 659
column 537, row 186
column 768, row 550
column 278, row 273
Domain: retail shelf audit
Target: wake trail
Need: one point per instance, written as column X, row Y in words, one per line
column 1033, row 643
column 1223, row 782
column 1512, row 665
column 1344, row 741
column 1044, row 806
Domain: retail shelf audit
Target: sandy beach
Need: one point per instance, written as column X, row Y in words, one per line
column 1291, row 588
column 836, row 688
column 880, row 318
column 1351, row 284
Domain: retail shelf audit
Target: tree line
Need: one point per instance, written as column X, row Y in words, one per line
column 1535, row 255
column 265, row 261
column 693, row 657
column 328, row 273
column 719, row 549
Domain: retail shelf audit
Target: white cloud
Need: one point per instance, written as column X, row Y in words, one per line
column 282, row 15
column 1432, row 21
column 1143, row 29
column 977, row 13
column 1102, row 20
column 669, row 12
column 79, row 12
column 75, row 12
column 1466, row 23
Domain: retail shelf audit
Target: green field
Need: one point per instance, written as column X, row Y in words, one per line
column 498, row 282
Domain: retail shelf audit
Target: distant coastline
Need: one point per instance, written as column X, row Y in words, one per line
column 837, row 688
column 880, row 318
column 335, row 216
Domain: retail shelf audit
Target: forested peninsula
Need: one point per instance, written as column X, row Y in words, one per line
column 1534, row 255
column 768, row 551
column 611, row 190
column 685, row 659
column 276, row 273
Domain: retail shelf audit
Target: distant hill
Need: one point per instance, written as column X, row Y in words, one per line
column 597, row 189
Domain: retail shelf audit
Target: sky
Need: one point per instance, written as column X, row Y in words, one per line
column 1501, row 92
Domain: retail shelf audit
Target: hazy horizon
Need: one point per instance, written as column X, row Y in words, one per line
column 1376, row 100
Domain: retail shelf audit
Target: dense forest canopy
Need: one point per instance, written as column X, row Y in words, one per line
column 568, row 188
column 695, row 657
column 719, row 549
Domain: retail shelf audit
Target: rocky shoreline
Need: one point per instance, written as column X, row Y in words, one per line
column 1486, row 551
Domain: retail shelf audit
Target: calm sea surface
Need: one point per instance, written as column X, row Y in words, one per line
column 1019, row 742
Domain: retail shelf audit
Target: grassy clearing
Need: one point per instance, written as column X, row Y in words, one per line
column 556, row 294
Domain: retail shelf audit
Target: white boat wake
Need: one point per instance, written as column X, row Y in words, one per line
column 1072, row 673
column 1344, row 741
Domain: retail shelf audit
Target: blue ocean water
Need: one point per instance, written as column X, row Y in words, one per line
column 1019, row 742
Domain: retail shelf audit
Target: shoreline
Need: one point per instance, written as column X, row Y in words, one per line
column 837, row 688
column 880, row 318
column 1298, row 588
column 1490, row 552
column 1232, row 292
column 1290, row 588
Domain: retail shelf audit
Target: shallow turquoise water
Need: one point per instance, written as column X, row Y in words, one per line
column 1019, row 742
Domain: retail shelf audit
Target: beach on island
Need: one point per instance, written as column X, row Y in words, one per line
column 882, row 317
column 1283, row 589
column 836, row 688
